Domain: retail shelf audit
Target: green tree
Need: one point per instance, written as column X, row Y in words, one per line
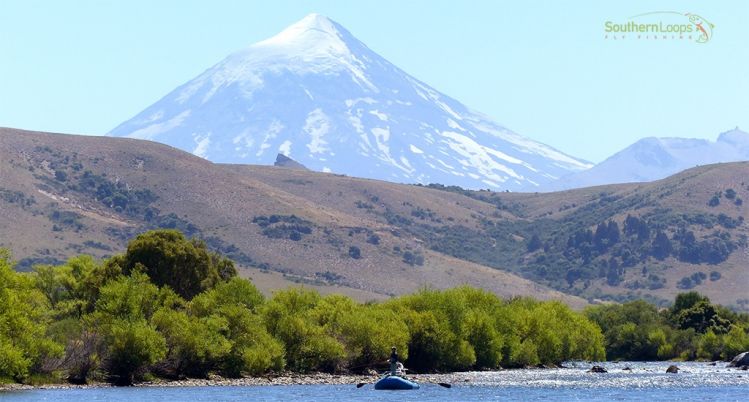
column 169, row 259
column 696, row 312
column 73, row 288
column 632, row 331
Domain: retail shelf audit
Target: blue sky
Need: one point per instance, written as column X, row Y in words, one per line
column 542, row 68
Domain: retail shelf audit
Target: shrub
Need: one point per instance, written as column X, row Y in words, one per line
column 354, row 252
column 308, row 347
column 24, row 317
column 195, row 345
column 131, row 348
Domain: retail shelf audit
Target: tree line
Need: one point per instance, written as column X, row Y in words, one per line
column 169, row 307
column 692, row 328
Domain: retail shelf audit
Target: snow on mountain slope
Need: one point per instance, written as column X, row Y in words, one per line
column 655, row 158
column 317, row 94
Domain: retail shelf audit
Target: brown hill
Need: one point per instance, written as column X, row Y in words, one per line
column 62, row 195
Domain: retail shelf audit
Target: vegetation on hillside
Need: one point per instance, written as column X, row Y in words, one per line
column 617, row 242
column 167, row 307
column 600, row 241
column 693, row 328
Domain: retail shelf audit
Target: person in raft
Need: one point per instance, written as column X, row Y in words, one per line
column 393, row 361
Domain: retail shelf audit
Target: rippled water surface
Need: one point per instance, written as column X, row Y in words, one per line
column 646, row 381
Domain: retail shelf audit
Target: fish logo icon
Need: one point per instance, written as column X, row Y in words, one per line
column 704, row 27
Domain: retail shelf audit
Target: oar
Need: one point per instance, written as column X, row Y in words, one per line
column 444, row 384
column 361, row 384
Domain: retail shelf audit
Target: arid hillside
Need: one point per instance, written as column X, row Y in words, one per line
column 62, row 195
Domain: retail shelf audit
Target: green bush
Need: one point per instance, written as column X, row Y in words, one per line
column 368, row 333
column 195, row 345
column 253, row 350
column 288, row 317
column 24, row 317
column 132, row 346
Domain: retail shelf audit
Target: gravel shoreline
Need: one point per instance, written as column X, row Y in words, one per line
column 273, row 380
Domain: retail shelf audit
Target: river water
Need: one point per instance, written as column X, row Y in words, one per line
column 646, row 381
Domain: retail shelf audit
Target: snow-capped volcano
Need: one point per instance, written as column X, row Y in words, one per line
column 317, row 94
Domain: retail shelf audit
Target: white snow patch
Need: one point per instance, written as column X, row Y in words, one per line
column 243, row 140
column 454, row 125
column 202, row 142
column 405, row 162
column 479, row 157
column 274, row 128
column 352, row 102
column 447, row 108
column 285, row 148
column 476, row 148
column 317, row 125
column 382, row 135
column 445, row 164
column 380, row 115
column 156, row 116
column 149, row 132
column 356, row 123
column 228, row 73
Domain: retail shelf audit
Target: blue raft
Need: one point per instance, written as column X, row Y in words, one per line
column 394, row 382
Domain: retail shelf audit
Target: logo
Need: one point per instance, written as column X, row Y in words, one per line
column 661, row 25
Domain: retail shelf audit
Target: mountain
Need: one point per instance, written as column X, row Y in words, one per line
column 320, row 96
column 62, row 195
column 655, row 158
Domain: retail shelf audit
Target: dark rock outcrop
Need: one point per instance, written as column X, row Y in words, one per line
column 672, row 369
column 741, row 359
column 598, row 369
column 284, row 161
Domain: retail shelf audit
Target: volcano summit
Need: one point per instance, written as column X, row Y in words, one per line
column 318, row 95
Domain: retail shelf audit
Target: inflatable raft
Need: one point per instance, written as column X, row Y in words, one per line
column 394, row 382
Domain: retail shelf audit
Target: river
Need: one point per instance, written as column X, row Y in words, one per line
column 646, row 381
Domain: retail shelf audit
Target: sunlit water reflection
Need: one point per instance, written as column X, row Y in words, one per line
column 645, row 381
